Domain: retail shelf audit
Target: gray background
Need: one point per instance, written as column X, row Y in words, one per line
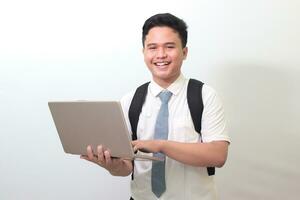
column 66, row 50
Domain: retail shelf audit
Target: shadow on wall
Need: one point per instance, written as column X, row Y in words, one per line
column 263, row 113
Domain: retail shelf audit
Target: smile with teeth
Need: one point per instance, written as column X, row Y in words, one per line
column 160, row 64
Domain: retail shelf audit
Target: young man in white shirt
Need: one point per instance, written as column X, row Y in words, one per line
column 187, row 154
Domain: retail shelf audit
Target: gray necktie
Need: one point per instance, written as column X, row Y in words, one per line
column 161, row 130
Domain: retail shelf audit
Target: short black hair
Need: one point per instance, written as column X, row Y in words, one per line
column 168, row 20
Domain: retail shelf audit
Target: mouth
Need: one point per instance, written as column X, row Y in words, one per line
column 162, row 64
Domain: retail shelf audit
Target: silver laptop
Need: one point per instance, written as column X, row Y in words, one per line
column 83, row 123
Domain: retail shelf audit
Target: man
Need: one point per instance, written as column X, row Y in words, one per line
column 186, row 157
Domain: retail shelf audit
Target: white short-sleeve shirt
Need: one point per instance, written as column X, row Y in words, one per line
column 183, row 182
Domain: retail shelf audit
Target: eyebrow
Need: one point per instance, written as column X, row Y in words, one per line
column 167, row 43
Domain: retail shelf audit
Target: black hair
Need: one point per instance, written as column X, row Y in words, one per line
column 168, row 20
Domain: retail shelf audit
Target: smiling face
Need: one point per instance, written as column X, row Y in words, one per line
column 164, row 54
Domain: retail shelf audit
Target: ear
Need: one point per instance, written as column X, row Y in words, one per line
column 185, row 52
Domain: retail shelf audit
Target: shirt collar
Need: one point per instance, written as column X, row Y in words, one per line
column 175, row 87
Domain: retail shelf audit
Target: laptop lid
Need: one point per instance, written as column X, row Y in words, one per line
column 83, row 123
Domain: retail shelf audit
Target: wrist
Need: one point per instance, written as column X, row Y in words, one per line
column 161, row 146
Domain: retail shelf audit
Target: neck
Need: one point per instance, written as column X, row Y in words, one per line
column 165, row 83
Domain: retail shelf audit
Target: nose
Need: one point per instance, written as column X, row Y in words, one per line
column 161, row 53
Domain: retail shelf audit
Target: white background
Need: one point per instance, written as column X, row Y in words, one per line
column 70, row 49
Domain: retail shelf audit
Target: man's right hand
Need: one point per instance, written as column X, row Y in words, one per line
column 115, row 166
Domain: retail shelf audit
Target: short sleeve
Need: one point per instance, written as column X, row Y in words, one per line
column 213, row 127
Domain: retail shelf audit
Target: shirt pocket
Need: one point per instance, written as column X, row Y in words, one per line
column 144, row 123
column 184, row 131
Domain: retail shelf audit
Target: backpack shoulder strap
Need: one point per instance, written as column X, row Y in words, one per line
column 195, row 103
column 135, row 111
column 136, row 107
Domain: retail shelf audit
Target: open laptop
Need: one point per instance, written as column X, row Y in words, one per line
column 83, row 123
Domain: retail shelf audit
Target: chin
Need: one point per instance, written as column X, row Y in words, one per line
column 162, row 74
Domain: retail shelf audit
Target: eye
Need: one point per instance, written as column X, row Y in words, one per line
column 152, row 47
column 170, row 47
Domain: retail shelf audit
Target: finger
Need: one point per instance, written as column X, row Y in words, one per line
column 90, row 153
column 83, row 157
column 100, row 153
column 107, row 158
column 137, row 145
column 133, row 143
column 135, row 149
column 144, row 150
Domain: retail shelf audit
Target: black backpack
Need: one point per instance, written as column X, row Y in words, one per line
column 195, row 103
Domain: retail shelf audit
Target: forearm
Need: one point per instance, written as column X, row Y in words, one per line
column 213, row 154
